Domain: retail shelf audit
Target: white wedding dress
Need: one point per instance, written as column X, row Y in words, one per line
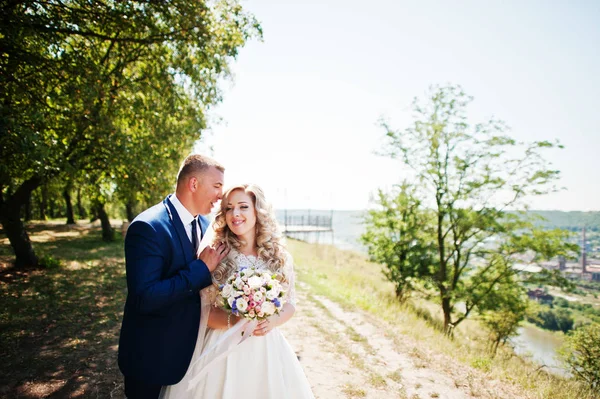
column 229, row 365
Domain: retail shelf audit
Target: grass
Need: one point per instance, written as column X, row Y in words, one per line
column 352, row 391
column 349, row 279
column 59, row 326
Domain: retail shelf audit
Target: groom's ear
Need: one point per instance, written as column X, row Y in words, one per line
column 193, row 183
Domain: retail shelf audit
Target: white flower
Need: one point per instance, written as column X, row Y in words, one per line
column 249, row 272
column 268, row 308
column 230, row 301
column 261, row 314
column 241, row 304
column 255, row 282
column 274, row 291
column 246, row 290
column 251, row 313
column 238, row 283
column 226, row 291
column 258, row 296
column 271, row 294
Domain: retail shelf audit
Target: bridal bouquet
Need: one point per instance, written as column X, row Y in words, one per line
column 253, row 293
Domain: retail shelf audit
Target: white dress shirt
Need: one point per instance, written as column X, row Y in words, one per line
column 186, row 217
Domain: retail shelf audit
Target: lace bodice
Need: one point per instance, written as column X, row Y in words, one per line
column 211, row 293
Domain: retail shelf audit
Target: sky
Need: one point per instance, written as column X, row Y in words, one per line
column 300, row 116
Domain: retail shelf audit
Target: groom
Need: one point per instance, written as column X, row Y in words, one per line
column 164, row 276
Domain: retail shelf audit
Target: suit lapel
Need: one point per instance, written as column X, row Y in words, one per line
column 176, row 221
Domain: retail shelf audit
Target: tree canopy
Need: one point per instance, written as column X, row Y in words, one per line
column 116, row 91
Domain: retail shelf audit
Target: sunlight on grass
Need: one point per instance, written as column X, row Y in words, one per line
column 353, row 392
column 62, row 323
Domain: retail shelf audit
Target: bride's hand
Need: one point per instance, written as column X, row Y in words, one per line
column 265, row 326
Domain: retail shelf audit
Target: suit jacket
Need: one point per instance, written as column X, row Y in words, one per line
column 162, row 310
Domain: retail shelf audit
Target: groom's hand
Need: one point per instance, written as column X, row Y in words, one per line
column 213, row 255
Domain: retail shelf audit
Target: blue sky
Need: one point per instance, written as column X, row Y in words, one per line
column 300, row 116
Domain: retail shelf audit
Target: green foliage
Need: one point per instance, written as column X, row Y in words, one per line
column 390, row 239
column 482, row 363
column 554, row 320
column 113, row 93
column 50, row 262
column 587, row 309
column 453, row 218
column 505, row 308
column 581, row 353
column 590, row 285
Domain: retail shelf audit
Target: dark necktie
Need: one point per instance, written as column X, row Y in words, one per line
column 194, row 236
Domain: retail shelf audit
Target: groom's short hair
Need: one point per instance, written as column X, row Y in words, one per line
column 196, row 164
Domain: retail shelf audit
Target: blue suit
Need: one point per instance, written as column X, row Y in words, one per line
column 162, row 310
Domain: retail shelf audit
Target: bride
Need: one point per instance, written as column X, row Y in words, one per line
column 236, row 357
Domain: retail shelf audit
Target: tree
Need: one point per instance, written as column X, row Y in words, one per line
column 581, row 353
column 68, row 68
column 391, row 240
column 554, row 320
column 466, row 179
column 505, row 309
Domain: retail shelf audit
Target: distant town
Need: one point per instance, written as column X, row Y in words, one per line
column 587, row 267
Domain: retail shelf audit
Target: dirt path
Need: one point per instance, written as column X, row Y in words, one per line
column 349, row 354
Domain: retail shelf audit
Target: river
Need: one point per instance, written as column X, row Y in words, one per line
column 541, row 345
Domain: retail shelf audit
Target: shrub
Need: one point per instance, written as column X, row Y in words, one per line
column 581, row 353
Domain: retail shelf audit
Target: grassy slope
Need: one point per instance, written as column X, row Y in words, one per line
column 349, row 279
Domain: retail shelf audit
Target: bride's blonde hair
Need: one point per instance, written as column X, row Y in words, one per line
column 269, row 242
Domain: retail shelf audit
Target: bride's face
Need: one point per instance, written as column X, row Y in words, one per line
column 240, row 214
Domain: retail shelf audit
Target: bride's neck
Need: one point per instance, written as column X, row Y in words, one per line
column 249, row 249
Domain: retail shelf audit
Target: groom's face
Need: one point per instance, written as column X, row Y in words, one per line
column 208, row 190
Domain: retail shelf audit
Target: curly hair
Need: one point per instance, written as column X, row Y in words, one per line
column 269, row 242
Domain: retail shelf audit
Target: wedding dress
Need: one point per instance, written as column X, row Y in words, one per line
column 230, row 365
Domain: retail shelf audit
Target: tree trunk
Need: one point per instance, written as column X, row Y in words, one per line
column 447, row 316
column 129, row 209
column 108, row 234
column 51, row 209
column 19, row 240
column 43, row 203
column 402, row 294
column 70, row 216
column 10, row 217
column 80, row 208
column 28, row 212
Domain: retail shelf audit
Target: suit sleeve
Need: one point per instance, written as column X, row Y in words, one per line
column 144, row 262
